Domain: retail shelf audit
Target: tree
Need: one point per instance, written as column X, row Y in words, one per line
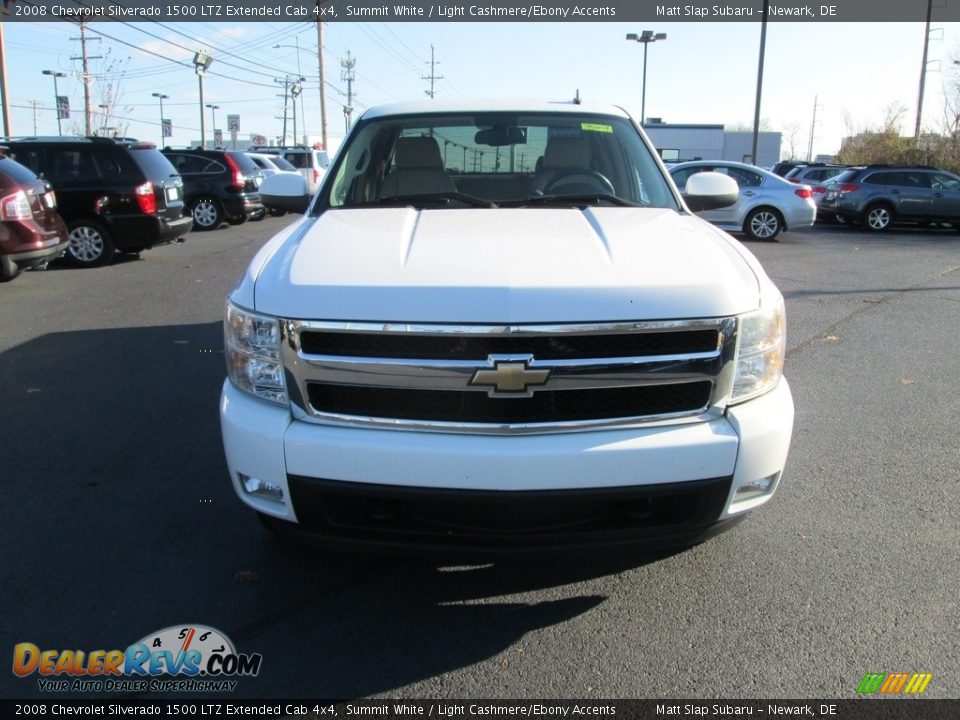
column 883, row 145
column 109, row 115
column 791, row 135
column 748, row 126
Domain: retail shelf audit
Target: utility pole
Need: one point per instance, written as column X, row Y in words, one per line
column 87, row 79
column 813, row 125
column 34, row 104
column 432, row 76
column 348, row 75
column 323, row 87
column 7, row 128
column 923, row 72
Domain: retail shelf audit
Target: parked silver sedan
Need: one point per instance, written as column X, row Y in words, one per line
column 767, row 205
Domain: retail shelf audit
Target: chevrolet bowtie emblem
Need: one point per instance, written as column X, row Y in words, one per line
column 509, row 377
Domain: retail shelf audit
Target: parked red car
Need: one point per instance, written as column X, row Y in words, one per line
column 31, row 231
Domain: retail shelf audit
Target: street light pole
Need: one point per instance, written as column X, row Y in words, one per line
column 286, row 90
column 201, row 63
column 295, row 91
column 213, row 120
column 646, row 37
column 56, row 95
column 162, row 98
column 106, row 118
column 755, row 150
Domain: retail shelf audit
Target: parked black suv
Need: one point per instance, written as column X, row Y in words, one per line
column 114, row 194
column 218, row 186
column 879, row 195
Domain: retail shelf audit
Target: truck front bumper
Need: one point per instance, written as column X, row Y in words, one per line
column 655, row 486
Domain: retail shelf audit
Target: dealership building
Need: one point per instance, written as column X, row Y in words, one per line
column 677, row 143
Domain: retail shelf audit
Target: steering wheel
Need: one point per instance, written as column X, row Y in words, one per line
column 593, row 175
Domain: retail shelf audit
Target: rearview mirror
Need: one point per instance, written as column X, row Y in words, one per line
column 285, row 191
column 501, row 135
column 710, row 191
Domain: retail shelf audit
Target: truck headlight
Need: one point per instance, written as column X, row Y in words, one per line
column 252, row 349
column 761, row 345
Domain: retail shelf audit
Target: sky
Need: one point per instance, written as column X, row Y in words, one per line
column 702, row 73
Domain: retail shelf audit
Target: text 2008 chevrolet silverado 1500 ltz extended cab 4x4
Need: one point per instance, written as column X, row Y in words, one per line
column 499, row 327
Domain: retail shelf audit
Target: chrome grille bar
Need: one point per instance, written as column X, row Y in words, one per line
column 454, row 375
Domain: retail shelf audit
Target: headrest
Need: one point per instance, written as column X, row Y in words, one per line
column 566, row 152
column 417, row 153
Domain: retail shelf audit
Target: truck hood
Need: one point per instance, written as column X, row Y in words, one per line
column 505, row 266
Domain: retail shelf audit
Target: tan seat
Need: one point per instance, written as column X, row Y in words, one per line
column 419, row 169
column 560, row 155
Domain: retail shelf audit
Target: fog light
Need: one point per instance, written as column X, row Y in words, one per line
column 261, row 488
column 752, row 493
column 756, row 488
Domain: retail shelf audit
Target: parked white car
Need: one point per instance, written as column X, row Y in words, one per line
column 309, row 162
column 271, row 165
column 767, row 206
column 500, row 327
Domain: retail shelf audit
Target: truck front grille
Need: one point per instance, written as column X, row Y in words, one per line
column 509, row 379
column 472, row 407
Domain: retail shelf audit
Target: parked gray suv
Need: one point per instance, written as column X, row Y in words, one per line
column 879, row 195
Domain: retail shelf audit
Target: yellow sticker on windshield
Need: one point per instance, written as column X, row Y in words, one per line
column 596, row 127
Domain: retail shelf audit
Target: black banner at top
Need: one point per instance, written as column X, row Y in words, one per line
column 480, row 10
column 464, row 709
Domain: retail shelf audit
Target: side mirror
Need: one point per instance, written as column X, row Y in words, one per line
column 285, row 191
column 710, row 191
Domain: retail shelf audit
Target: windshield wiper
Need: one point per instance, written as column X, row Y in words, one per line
column 430, row 198
column 583, row 199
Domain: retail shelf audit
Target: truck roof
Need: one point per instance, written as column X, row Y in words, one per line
column 491, row 105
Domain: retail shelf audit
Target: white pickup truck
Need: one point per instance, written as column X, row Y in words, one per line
column 499, row 327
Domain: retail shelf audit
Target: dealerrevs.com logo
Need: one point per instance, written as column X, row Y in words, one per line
column 187, row 658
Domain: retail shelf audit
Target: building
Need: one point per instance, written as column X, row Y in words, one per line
column 677, row 143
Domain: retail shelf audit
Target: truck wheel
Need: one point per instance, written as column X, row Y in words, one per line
column 763, row 224
column 90, row 244
column 7, row 278
column 207, row 214
column 878, row 218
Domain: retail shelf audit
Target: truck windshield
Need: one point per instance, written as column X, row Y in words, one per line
column 497, row 159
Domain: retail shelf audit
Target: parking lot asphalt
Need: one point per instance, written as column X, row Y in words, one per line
column 117, row 518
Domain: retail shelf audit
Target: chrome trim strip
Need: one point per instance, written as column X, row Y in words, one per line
column 565, row 374
column 512, row 330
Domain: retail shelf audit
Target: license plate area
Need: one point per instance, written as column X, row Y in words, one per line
column 173, row 194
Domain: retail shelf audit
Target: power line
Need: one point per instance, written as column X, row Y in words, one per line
column 386, row 47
